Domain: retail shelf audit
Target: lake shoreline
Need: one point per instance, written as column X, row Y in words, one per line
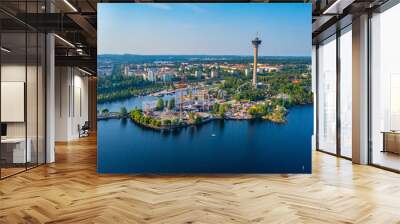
column 274, row 117
column 114, row 115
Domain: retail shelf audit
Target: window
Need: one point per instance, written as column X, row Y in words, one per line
column 346, row 92
column 327, row 95
column 385, row 89
column 22, row 88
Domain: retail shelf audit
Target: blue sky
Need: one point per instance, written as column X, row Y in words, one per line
column 204, row 28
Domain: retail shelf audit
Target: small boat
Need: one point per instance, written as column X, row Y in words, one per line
column 213, row 135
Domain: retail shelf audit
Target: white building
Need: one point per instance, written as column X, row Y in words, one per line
column 167, row 77
column 151, row 76
column 214, row 74
column 246, row 72
column 126, row 70
column 149, row 105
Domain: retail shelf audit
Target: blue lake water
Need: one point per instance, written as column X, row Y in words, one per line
column 130, row 104
column 216, row 147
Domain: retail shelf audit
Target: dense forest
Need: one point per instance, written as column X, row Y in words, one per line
column 116, row 87
column 296, row 86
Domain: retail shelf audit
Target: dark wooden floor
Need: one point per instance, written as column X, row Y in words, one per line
column 70, row 191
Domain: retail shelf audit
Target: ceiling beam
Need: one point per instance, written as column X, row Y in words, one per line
column 84, row 24
column 77, row 61
column 337, row 7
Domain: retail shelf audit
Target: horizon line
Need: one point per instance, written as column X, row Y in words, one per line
column 249, row 55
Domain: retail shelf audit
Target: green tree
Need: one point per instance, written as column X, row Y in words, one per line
column 147, row 120
column 171, row 104
column 117, row 86
column 222, row 110
column 258, row 110
column 160, row 104
column 252, row 111
column 166, row 122
column 192, row 116
column 136, row 114
column 215, row 108
column 123, row 111
column 198, row 120
column 105, row 111
column 175, row 121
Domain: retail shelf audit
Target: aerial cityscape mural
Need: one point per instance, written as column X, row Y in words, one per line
column 204, row 88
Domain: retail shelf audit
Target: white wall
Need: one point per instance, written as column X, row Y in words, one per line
column 33, row 126
column 11, row 73
column 71, row 102
column 13, row 101
column 17, row 73
column 62, row 82
column 80, row 104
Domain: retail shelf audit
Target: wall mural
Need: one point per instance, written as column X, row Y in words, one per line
column 204, row 88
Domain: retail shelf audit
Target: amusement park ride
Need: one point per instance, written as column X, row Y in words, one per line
column 181, row 85
column 191, row 96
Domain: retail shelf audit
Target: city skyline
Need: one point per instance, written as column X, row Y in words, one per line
column 207, row 29
column 211, row 55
